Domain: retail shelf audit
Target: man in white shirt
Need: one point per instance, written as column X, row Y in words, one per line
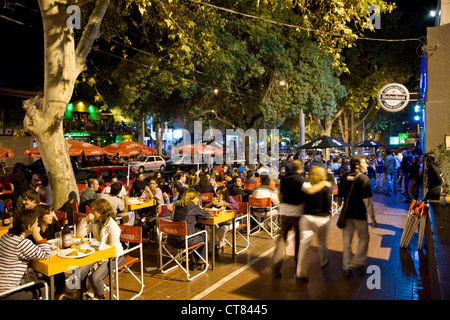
column 122, row 192
column 113, row 198
column 265, row 191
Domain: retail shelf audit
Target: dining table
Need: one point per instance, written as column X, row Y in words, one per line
column 137, row 204
column 4, row 229
column 218, row 217
column 56, row 264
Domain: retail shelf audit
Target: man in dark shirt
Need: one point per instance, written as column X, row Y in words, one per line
column 249, row 178
column 359, row 206
column 236, row 188
column 139, row 185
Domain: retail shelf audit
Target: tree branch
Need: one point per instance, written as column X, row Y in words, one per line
column 90, row 33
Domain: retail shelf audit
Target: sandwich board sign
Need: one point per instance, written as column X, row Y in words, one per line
column 393, row 97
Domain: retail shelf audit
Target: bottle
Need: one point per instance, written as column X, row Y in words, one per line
column 66, row 235
column 5, row 217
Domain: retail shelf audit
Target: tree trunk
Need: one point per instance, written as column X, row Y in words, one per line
column 44, row 113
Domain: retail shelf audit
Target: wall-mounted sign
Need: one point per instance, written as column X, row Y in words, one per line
column 393, row 141
column 402, row 137
column 393, row 97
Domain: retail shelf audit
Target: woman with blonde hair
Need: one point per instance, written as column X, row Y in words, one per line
column 102, row 224
column 187, row 209
column 317, row 214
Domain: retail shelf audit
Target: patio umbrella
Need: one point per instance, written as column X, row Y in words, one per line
column 324, row 142
column 126, row 149
column 369, row 143
column 6, row 153
column 197, row 148
column 422, row 224
column 76, row 148
column 413, row 221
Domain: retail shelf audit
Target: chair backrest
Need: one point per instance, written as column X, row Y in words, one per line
column 221, row 183
column 206, row 197
column 335, row 190
column 61, row 217
column 88, row 209
column 78, row 216
column 43, row 197
column 243, row 207
column 74, row 205
column 259, row 202
column 272, row 185
column 257, row 179
column 237, row 198
column 173, row 228
column 130, row 234
column 165, row 210
column 249, row 186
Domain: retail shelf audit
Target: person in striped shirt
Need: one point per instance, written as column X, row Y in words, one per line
column 15, row 253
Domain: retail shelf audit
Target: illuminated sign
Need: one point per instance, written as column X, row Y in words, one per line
column 393, row 141
column 402, row 137
column 393, row 97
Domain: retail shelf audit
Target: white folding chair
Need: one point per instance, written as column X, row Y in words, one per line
column 165, row 213
column 335, row 208
column 27, row 285
column 133, row 235
column 242, row 230
column 179, row 228
column 270, row 217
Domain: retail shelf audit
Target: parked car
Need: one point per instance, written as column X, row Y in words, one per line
column 106, row 172
column 148, row 163
column 38, row 167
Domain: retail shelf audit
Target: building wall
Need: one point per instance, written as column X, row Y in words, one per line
column 437, row 110
column 18, row 146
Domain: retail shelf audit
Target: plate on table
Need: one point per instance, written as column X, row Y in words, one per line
column 55, row 244
column 72, row 253
column 135, row 201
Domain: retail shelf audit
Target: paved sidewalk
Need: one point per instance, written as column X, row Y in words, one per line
column 405, row 274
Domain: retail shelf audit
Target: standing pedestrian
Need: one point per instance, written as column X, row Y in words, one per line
column 292, row 198
column 406, row 168
column 359, row 206
column 390, row 171
column 379, row 161
column 415, row 177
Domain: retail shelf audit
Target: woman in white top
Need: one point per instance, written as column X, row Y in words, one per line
column 102, row 223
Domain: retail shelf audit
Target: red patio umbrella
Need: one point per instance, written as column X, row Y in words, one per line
column 6, row 153
column 76, row 148
column 197, row 148
column 128, row 148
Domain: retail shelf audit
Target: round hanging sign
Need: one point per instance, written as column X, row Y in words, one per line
column 393, row 97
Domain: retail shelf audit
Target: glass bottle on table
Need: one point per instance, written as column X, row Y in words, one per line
column 66, row 235
column 6, row 219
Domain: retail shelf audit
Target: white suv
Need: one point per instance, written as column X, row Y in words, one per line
column 148, row 163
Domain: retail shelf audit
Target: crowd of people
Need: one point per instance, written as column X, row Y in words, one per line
column 300, row 190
